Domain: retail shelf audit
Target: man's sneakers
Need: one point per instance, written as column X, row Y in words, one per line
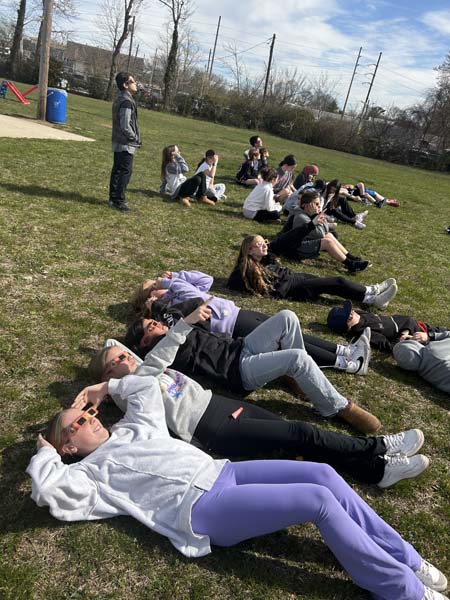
column 402, row 467
column 359, row 357
column 360, row 225
column 360, row 419
column 431, row 577
column 407, row 443
column 362, row 215
column 382, row 299
column 121, row 207
column 355, row 266
column 379, row 288
column 433, row 595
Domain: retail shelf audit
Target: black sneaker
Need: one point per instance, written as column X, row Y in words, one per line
column 121, row 207
column 362, row 265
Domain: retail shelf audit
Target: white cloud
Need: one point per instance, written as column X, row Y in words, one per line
column 438, row 20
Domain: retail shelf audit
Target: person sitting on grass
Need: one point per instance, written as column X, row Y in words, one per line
column 272, row 350
column 208, row 166
column 308, row 235
column 336, row 205
column 263, row 158
column 283, row 187
column 386, row 330
column 431, row 359
column 255, row 144
column 236, row 428
column 308, row 175
column 248, row 173
column 260, row 204
column 196, row 501
column 173, row 169
column 259, row 272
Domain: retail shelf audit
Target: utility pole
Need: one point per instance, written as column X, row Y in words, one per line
column 214, row 49
column 153, row 70
column 131, row 43
column 44, row 59
column 135, row 57
column 351, row 82
column 205, row 74
column 269, row 66
column 366, row 101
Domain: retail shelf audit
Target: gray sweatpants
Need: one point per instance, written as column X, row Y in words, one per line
column 276, row 348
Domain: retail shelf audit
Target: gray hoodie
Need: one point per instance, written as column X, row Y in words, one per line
column 432, row 361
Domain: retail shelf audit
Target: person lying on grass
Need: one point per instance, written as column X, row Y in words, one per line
column 306, row 234
column 386, row 330
column 177, row 294
column 274, row 349
column 258, row 271
column 196, row 501
column 235, row 428
column 431, row 359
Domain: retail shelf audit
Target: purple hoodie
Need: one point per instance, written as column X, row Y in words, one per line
column 186, row 285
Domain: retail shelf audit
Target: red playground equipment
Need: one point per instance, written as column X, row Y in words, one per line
column 20, row 97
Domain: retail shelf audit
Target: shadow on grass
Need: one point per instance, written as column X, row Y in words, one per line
column 261, row 561
column 122, row 312
column 42, row 192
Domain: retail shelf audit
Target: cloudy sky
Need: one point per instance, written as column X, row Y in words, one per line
column 318, row 37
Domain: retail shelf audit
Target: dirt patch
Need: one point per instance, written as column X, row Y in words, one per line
column 15, row 127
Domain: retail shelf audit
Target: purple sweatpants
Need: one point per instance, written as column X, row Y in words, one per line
column 257, row 497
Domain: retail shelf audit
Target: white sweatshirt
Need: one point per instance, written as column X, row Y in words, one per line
column 139, row 471
column 260, row 198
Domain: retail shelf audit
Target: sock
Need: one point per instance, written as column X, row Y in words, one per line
column 343, row 350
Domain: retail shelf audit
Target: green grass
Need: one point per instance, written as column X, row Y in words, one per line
column 68, row 266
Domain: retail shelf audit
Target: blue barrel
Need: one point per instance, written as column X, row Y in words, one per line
column 56, row 106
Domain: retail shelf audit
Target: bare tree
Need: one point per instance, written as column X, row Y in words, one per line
column 15, row 57
column 61, row 8
column 115, row 24
column 180, row 11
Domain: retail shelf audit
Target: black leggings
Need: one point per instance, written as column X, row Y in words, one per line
column 303, row 286
column 322, row 351
column 256, row 431
column 343, row 211
column 195, row 185
column 266, row 215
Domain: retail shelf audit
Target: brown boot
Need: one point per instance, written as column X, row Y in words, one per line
column 360, row 419
column 206, row 200
column 185, row 202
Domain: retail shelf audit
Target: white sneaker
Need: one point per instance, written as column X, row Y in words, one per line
column 360, row 225
column 431, row 577
column 402, row 467
column 433, row 595
column 362, row 215
column 407, row 443
column 360, row 352
column 382, row 300
column 384, row 285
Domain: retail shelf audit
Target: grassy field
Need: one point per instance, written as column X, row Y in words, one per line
column 68, row 266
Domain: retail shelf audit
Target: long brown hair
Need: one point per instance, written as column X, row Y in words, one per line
column 166, row 159
column 257, row 279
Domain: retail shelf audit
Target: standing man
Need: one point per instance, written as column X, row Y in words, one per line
column 125, row 140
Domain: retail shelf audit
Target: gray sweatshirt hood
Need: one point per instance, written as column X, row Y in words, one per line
column 408, row 354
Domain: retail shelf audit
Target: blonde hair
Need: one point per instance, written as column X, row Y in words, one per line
column 139, row 299
column 98, row 364
column 257, row 279
column 54, row 435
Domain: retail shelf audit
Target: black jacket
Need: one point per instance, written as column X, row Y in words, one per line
column 215, row 356
column 385, row 331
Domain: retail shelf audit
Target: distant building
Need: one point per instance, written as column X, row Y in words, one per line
column 82, row 61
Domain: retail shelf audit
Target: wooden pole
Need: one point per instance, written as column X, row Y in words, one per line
column 44, row 59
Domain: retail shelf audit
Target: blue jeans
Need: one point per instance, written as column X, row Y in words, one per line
column 276, row 348
column 257, row 497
